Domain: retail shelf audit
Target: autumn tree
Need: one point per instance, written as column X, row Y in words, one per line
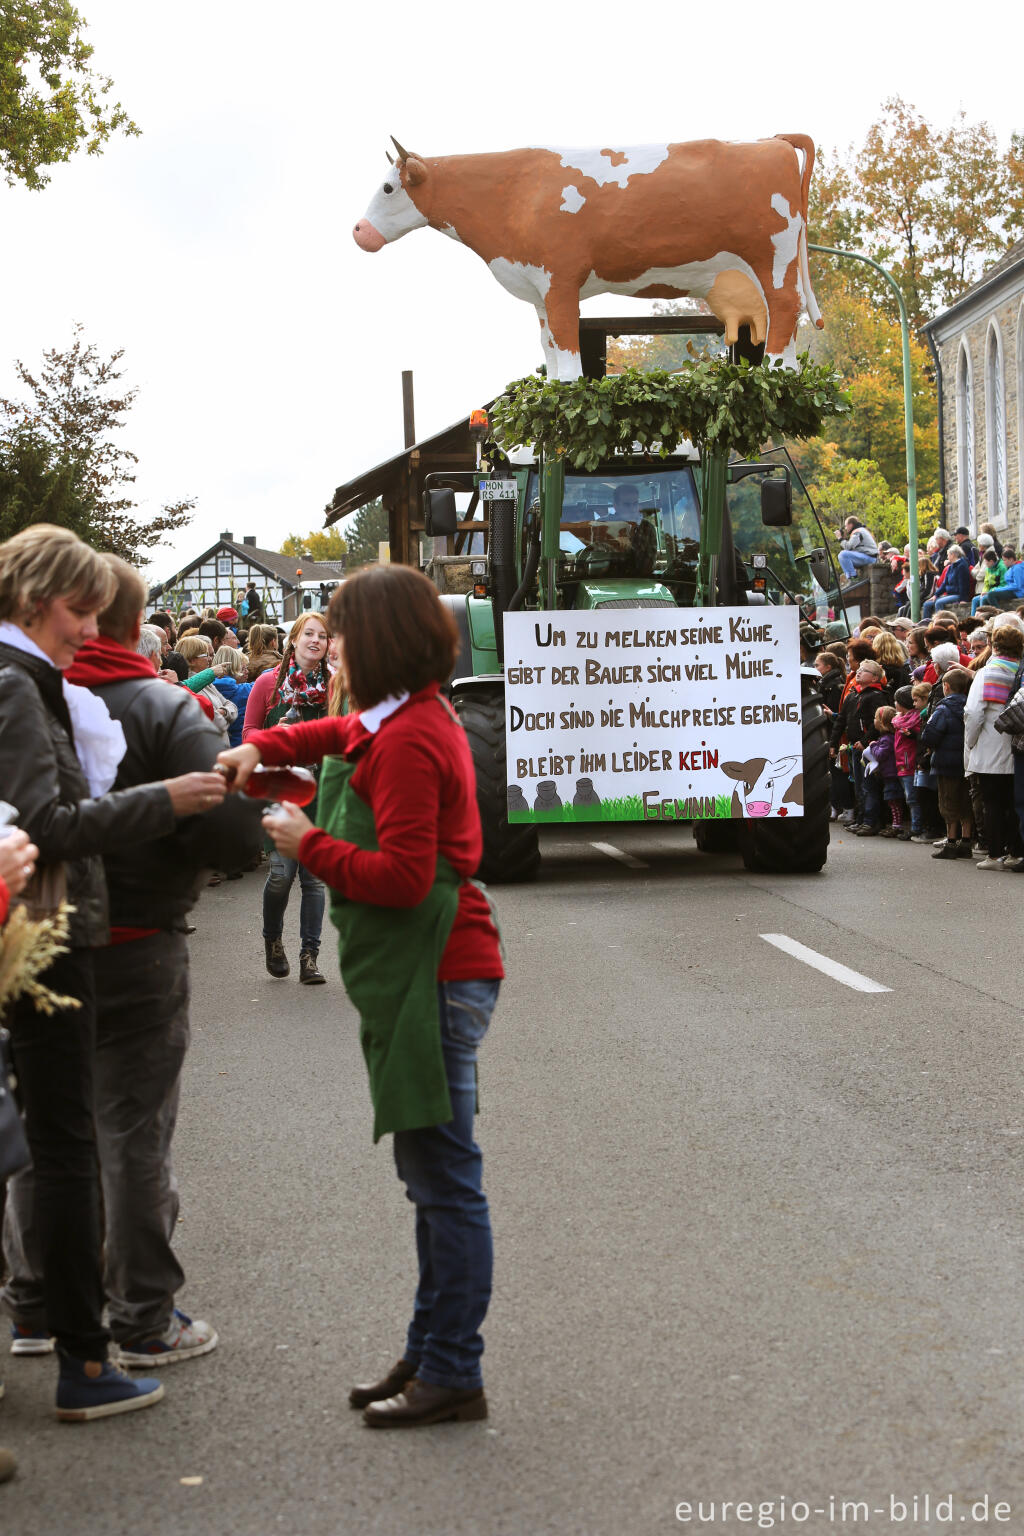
column 61, row 437
column 320, row 544
column 51, row 102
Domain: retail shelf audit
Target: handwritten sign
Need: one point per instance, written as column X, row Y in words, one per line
column 678, row 714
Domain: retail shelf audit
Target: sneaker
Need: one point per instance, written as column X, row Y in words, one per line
column 947, row 851
column 89, row 1389
column 963, row 849
column 30, row 1341
column 889, row 832
column 867, row 831
column 1012, row 861
column 940, row 842
column 979, row 851
column 181, row 1340
column 847, row 818
column 921, row 837
column 904, row 834
column 990, row 863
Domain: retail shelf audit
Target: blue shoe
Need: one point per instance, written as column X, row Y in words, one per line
column 88, row 1389
column 30, row 1341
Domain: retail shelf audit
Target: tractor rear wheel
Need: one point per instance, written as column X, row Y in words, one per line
column 797, row 845
column 511, row 851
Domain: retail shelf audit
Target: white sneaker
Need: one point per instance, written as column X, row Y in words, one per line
column 183, row 1339
column 940, row 842
column 1010, row 862
column 990, row 863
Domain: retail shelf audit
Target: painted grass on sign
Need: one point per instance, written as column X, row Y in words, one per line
column 625, row 808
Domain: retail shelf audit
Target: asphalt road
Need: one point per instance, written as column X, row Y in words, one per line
column 758, row 1234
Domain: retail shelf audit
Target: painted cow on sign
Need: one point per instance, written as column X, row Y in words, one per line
column 768, row 788
column 719, row 221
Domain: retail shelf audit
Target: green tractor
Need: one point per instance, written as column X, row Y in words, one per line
column 694, row 533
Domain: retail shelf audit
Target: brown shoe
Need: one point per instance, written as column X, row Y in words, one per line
column 8, row 1465
column 423, row 1403
column 374, row 1391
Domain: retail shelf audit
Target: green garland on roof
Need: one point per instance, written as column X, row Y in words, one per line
column 717, row 404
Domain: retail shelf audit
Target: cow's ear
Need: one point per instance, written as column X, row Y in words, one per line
column 795, row 793
column 415, row 171
column 734, row 770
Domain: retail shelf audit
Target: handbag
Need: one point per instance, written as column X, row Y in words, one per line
column 1010, row 721
column 14, row 1153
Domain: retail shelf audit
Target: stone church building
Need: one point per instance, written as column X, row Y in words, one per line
column 978, row 343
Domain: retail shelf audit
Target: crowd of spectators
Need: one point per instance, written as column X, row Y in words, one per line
column 920, row 745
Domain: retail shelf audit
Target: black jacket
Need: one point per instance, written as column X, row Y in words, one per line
column 154, row 884
column 41, row 776
column 943, row 734
column 856, row 720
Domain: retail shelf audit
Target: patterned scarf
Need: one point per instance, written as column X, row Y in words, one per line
column 297, row 688
column 998, row 679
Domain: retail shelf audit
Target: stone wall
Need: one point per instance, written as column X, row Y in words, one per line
column 1009, row 315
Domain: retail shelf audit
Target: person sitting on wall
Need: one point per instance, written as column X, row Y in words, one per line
column 857, row 549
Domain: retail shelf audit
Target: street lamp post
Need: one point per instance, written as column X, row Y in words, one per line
column 908, row 414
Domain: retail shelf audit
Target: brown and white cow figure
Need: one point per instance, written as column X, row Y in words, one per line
column 768, row 788
column 721, row 221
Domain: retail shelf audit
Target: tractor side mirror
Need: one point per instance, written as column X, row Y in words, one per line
column 439, row 514
column 776, row 502
column 820, row 570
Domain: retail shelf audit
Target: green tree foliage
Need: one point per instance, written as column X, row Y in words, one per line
column 59, row 456
column 716, row 404
column 51, row 102
column 365, row 531
column 321, row 544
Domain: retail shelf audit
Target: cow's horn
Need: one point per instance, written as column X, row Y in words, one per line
column 388, row 158
column 403, row 154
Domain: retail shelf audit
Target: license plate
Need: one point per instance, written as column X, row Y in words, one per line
column 499, row 490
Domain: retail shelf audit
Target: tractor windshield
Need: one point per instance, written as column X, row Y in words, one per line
column 627, row 523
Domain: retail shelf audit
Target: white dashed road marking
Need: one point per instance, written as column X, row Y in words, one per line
column 617, row 853
column 831, row 968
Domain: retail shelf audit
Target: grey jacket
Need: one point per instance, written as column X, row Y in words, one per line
column 153, row 885
column 41, row 776
column 860, row 542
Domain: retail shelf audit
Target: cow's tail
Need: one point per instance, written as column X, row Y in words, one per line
column 805, row 146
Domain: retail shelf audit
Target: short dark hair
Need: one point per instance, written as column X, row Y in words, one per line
column 860, row 650
column 163, row 619
column 175, row 663
column 214, row 630
column 958, row 679
column 398, row 635
column 119, row 618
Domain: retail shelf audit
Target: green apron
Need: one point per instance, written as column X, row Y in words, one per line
column 306, row 712
column 389, row 961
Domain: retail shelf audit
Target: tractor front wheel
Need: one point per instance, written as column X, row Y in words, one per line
column 799, row 844
column 511, row 851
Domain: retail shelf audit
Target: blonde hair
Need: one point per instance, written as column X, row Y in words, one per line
column 233, row 659
column 192, row 647
column 888, row 649
column 260, row 638
column 44, row 562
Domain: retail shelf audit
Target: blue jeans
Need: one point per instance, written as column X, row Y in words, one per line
column 913, row 803
column 442, row 1169
column 275, row 901
column 850, row 560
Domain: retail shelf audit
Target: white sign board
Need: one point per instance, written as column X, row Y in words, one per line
column 647, row 714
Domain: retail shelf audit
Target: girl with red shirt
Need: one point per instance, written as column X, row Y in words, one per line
column 398, row 841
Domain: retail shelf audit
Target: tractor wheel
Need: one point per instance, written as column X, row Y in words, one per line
column 799, row 845
column 716, row 836
column 511, row 852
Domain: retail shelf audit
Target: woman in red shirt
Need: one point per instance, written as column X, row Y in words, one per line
column 398, row 842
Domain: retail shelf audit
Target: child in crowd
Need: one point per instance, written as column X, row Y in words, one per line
column 943, row 734
column 907, row 728
column 884, row 754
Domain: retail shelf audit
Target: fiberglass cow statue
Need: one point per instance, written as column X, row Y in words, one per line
column 725, row 222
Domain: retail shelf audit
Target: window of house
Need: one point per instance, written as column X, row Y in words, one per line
column 995, row 425
column 965, row 440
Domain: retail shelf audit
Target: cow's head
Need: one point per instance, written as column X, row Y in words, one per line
column 760, row 779
column 392, row 212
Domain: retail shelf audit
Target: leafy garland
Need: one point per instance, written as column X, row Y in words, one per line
column 717, row 404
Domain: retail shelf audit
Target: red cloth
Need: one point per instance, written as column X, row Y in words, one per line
column 261, row 702
column 107, row 661
column 5, row 901
column 129, row 935
column 416, row 775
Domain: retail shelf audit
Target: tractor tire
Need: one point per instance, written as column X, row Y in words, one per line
column 511, row 852
column 798, row 845
column 717, row 836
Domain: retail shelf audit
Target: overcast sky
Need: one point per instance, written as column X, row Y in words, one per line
column 217, row 249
